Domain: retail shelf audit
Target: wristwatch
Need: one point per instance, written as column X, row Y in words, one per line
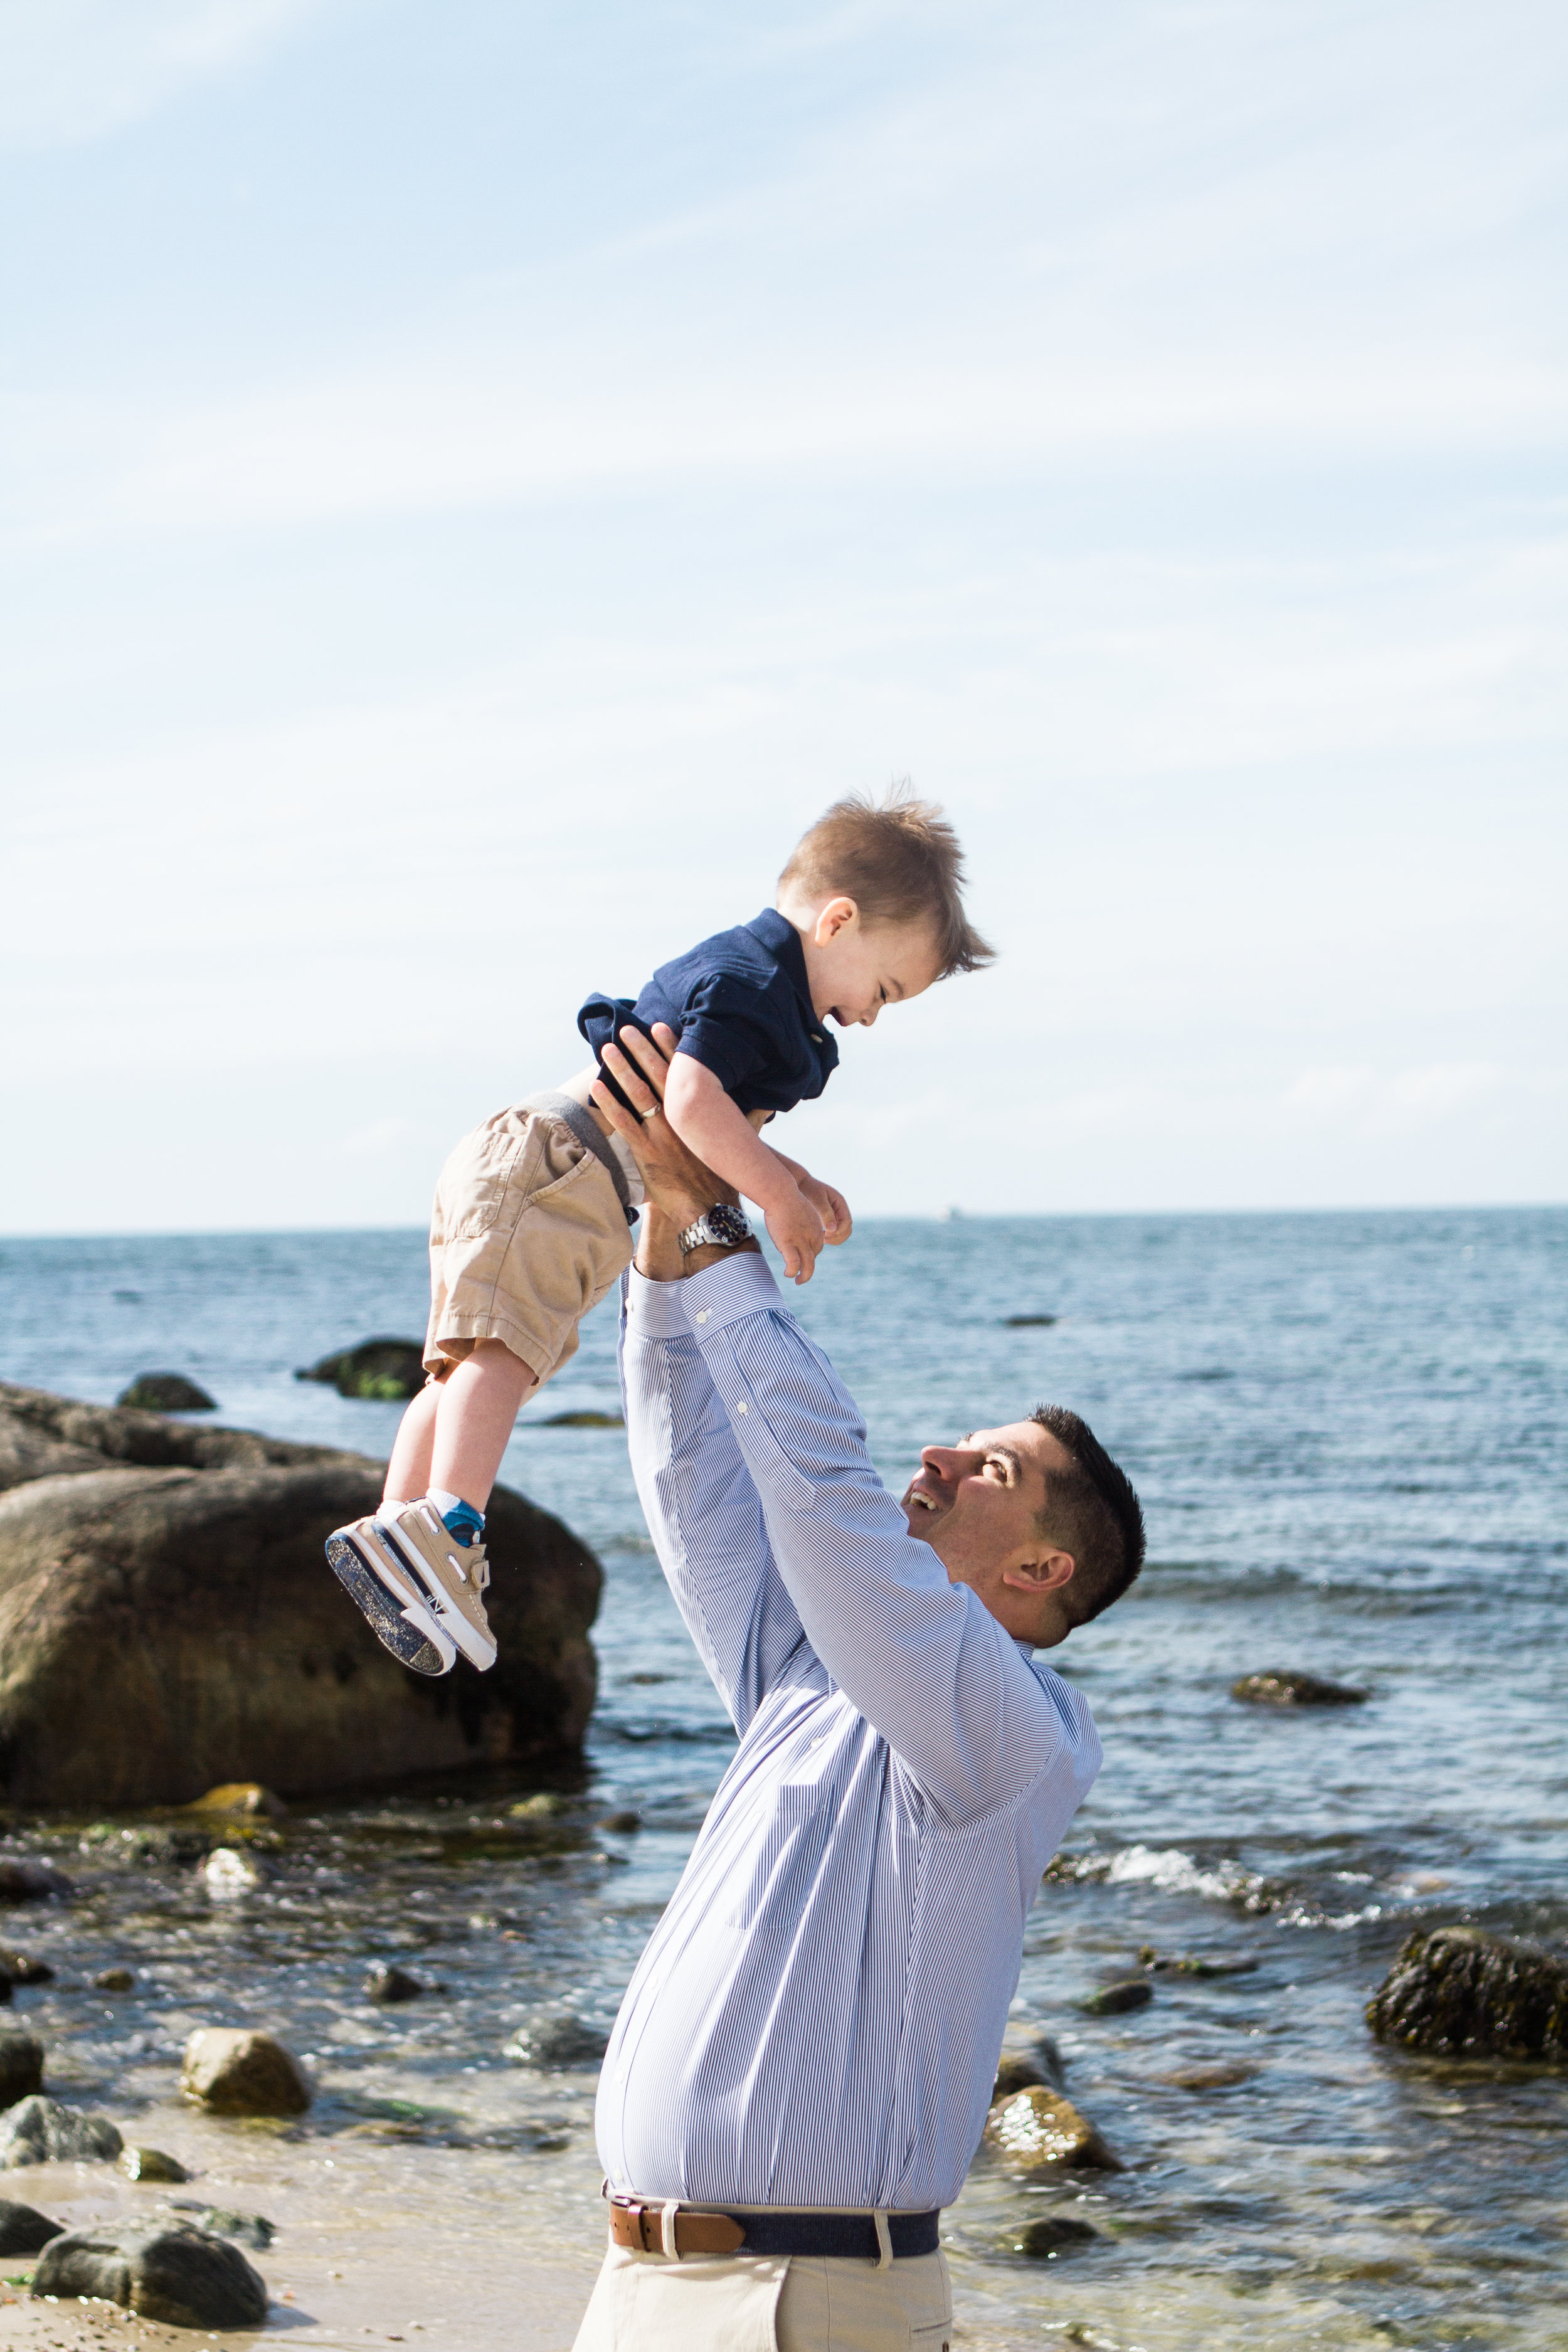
column 721, row 1225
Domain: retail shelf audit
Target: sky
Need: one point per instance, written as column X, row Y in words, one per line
column 476, row 483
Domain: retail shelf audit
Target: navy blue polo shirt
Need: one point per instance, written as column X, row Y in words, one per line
column 740, row 1006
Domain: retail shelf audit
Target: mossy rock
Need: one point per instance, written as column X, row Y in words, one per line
column 1295, row 1690
column 379, row 1372
column 165, row 1392
column 1461, row 1993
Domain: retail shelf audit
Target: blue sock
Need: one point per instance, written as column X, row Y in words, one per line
column 462, row 1521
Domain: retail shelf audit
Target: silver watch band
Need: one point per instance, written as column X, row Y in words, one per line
column 721, row 1226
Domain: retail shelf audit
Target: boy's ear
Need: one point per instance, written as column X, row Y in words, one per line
column 838, row 914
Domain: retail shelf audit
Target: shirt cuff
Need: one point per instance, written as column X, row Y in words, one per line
column 729, row 1289
column 656, row 1310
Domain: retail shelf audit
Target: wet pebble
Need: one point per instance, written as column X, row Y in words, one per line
column 227, row 1872
column 234, row 2072
column 1295, row 1690
column 24, row 2230
column 114, row 1981
column 150, row 2164
column 1191, row 1965
column 21, row 2065
column 621, row 1824
column 1116, row 2000
column 45, row 2131
column 1052, row 2234
column 1038, row 2130
column 32, row 1882
column 22, row 1968
column 391, row 1984
column 553, row 2037
column 1023, row 2062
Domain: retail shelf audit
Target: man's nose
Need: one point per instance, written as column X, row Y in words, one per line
column 948, row 1462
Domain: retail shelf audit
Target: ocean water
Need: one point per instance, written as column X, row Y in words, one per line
column 1348, row 1430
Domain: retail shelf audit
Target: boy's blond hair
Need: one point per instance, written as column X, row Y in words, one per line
column 900, row 860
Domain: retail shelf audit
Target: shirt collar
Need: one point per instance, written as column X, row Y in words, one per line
column 779, row 936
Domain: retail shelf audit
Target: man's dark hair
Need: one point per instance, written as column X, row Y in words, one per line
column 1091, row 1511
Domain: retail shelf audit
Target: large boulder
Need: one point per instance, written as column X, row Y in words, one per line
column 1462, row 1993
column 168, row 1620
column 167, row 2271
column 45, row 2131
column 24, row 2230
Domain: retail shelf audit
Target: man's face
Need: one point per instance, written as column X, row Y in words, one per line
column 978, row 1505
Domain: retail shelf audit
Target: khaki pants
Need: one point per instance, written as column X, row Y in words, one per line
column 646, row 2303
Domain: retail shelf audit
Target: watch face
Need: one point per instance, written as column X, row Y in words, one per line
column 727, row 1224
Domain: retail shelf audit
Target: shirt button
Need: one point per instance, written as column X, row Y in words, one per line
column 702, row 1314
column 740, row 1408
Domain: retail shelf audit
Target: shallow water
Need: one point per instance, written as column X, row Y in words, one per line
column 1347, row 1433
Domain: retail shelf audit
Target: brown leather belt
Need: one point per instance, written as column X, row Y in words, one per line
column 641, row 2225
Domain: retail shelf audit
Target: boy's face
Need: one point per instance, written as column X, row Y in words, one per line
column 855, row 967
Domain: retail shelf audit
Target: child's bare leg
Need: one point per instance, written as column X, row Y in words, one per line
column 477, row 1403
column 408, row 1472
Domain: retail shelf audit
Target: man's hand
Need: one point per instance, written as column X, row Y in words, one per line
column 680, row 1188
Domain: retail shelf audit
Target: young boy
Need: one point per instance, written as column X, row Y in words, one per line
column 531, row 1210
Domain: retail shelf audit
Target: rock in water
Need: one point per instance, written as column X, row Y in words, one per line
column 553, row 2037
column 23, row 2230
column 1037, row 2130
column 1295, row 1690
column 385, row 1371
column 226, row 1872
column 32, row 1882
column 232, row 2073
column 1026, row 2060
column 44, row 2131
column 165, row 1392
column 163, row 2271
column 1466, row 1994
column 150, row 2164
column 241, row 1799
column 21, row 2066
column 245, row 2229
column 391, row 1984
column 1051, row 2235
column 1116, row 2000
column 168, row 1622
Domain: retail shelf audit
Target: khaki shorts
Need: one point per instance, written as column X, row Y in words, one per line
column 527, row 1233
column 808, row 2303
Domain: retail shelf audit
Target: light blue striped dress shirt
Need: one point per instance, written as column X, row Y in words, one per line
column 818, row 2018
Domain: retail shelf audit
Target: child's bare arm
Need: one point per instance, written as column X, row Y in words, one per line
column 712, row 1126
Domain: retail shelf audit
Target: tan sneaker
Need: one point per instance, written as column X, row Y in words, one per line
column 420, row 1591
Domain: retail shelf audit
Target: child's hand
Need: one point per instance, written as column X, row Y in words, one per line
column 830, row 1207
column 797, row 1232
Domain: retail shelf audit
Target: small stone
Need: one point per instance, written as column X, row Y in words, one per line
column 1464, row 1993
column 1038, row 2130
column 1023, row 2063
column 1052, row 2235
column 1186, row 1965
column 541, row 1807
column 621, row 1824
column 32, row 1882
column 150, row 2164
column 582, row 1421
column 240, row 1797
column 391, row 1984
column 234, row 2072
column 1295, row 1690
column 23, row 2230
column 7, row 1987
column 1221, row 2076
column 226, row 1873
column 114, row 1981
column 245, row 2229
column 165, row 1392
column 1026, row 1322
column 552, row 2038
column 44, row 2131
column 1116, row 2000
column 171, row 2272
column 21, row 2066
column 23, row 1969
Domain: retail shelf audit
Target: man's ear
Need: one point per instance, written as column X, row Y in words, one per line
column 837, row 916
column 1052, row 1573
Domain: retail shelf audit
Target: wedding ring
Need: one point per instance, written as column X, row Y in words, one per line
column 651, row 1114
